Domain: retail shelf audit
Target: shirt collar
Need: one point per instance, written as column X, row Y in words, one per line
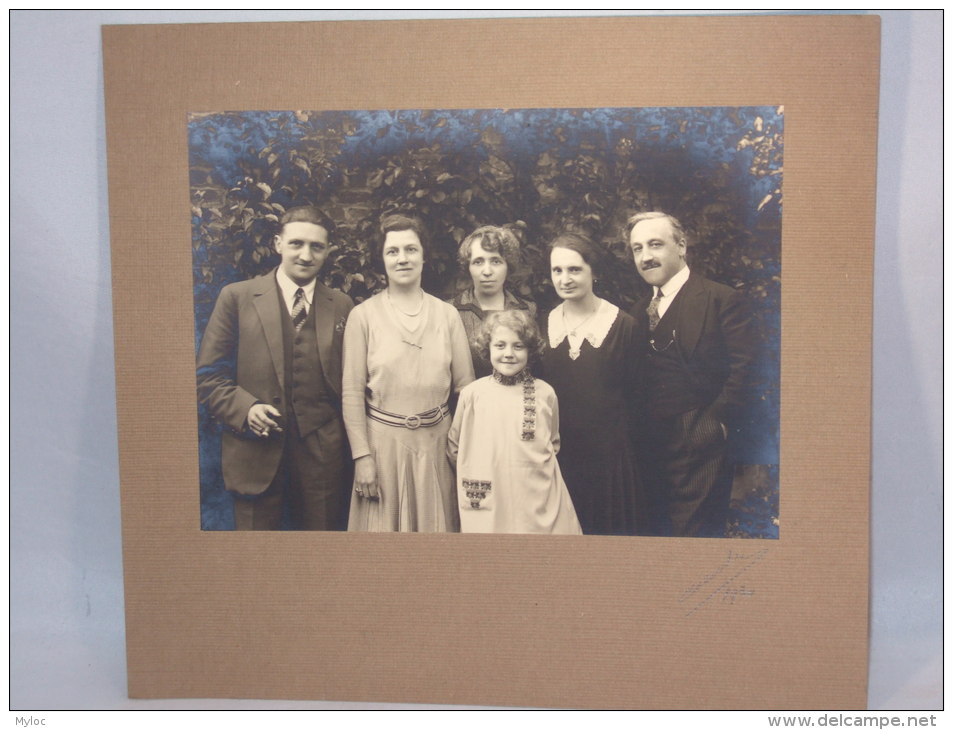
column 466, row 300
column 288, row 288
column 671, row 287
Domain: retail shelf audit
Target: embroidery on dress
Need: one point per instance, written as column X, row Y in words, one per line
column 475, row 490
column 529, row 408
column 528, row 430
column 595, row 330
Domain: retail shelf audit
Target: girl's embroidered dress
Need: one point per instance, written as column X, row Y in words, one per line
column 504, row 439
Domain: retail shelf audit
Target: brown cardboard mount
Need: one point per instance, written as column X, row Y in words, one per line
column 502, row 620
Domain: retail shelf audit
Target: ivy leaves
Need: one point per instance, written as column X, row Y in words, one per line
column 718, row 169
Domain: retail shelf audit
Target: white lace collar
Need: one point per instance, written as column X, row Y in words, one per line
column 594, row 330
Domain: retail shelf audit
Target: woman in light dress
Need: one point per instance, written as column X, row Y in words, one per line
column 405, row 356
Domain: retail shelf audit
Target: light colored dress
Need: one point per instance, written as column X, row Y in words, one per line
column 403, row 372
column 504, row 440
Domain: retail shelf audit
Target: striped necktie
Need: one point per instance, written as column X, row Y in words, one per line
column 299, row 312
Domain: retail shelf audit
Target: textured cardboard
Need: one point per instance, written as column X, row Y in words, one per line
column 502, row 620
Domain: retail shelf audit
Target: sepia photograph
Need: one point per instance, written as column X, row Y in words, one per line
column 540, row 197
column 557, row 321
column 480, row 302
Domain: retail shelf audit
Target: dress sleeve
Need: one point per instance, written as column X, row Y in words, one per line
column 354, row 382
column 461, row 361
column 453, row 436
column 554, row 429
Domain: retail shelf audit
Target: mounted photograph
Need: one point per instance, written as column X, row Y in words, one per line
column 629, row 384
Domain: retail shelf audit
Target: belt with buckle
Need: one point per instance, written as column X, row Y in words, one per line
column 418, row 420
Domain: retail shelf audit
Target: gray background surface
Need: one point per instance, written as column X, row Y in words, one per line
column 66, row 604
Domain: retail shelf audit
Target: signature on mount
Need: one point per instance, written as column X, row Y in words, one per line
column 724, row 582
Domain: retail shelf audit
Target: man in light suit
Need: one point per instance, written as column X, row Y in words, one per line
column 269, row 368
column 700, row 353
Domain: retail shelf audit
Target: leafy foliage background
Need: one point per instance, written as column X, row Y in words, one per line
column 718, row 169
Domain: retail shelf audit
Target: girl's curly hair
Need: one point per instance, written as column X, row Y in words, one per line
column 518, row 320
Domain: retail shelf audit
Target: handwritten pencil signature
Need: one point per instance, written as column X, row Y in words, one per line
column 721, row 582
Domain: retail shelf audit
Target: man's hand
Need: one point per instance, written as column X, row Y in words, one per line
column 261, row 420
column 365, row 477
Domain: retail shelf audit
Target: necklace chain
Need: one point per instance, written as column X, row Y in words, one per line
column 420, row 306
column 573, row 330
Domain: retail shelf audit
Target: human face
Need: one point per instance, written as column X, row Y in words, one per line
column 508, row 354
column 488, row 270
column 303, row 248
column 403, row 258
column 572, row 276
column 658, row 256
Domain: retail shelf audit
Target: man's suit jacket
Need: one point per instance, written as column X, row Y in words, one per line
column 715, row 342
column 241, row 362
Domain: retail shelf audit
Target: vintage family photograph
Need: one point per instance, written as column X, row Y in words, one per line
column 557, row 321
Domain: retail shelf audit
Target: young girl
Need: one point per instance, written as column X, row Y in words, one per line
column 505, row 436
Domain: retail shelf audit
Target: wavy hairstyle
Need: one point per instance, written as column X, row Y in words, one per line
column 495, row 239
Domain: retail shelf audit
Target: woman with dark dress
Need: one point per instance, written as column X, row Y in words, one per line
column 593, row 363
column 488, row 255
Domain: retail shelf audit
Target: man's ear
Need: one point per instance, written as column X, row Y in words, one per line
column 275, row 242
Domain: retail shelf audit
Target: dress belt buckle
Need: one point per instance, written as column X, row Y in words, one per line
column 412, row 422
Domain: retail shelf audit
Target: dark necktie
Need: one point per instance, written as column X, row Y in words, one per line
column 652, row 310
column 299, row 312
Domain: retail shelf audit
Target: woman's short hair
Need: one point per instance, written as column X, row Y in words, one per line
column 518, row 320
column 582, row 245
column 401, row 222
column 496, row 239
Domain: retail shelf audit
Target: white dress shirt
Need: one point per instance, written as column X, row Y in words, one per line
column 288, row 289
column 669, row 289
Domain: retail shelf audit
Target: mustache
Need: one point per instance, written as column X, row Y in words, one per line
column 653, row 265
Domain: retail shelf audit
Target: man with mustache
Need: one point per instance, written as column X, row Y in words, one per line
column 699, row 355
column 269, row 369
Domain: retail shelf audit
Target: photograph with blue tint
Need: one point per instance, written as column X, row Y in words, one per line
column 548, row 321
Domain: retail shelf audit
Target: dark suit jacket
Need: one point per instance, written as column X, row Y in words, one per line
column 715, row 341
column 241, row 362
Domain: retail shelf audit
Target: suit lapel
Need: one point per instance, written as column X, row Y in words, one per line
column 323, row 303
column 266, row 301
column 691, row 315
column 640, row 310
